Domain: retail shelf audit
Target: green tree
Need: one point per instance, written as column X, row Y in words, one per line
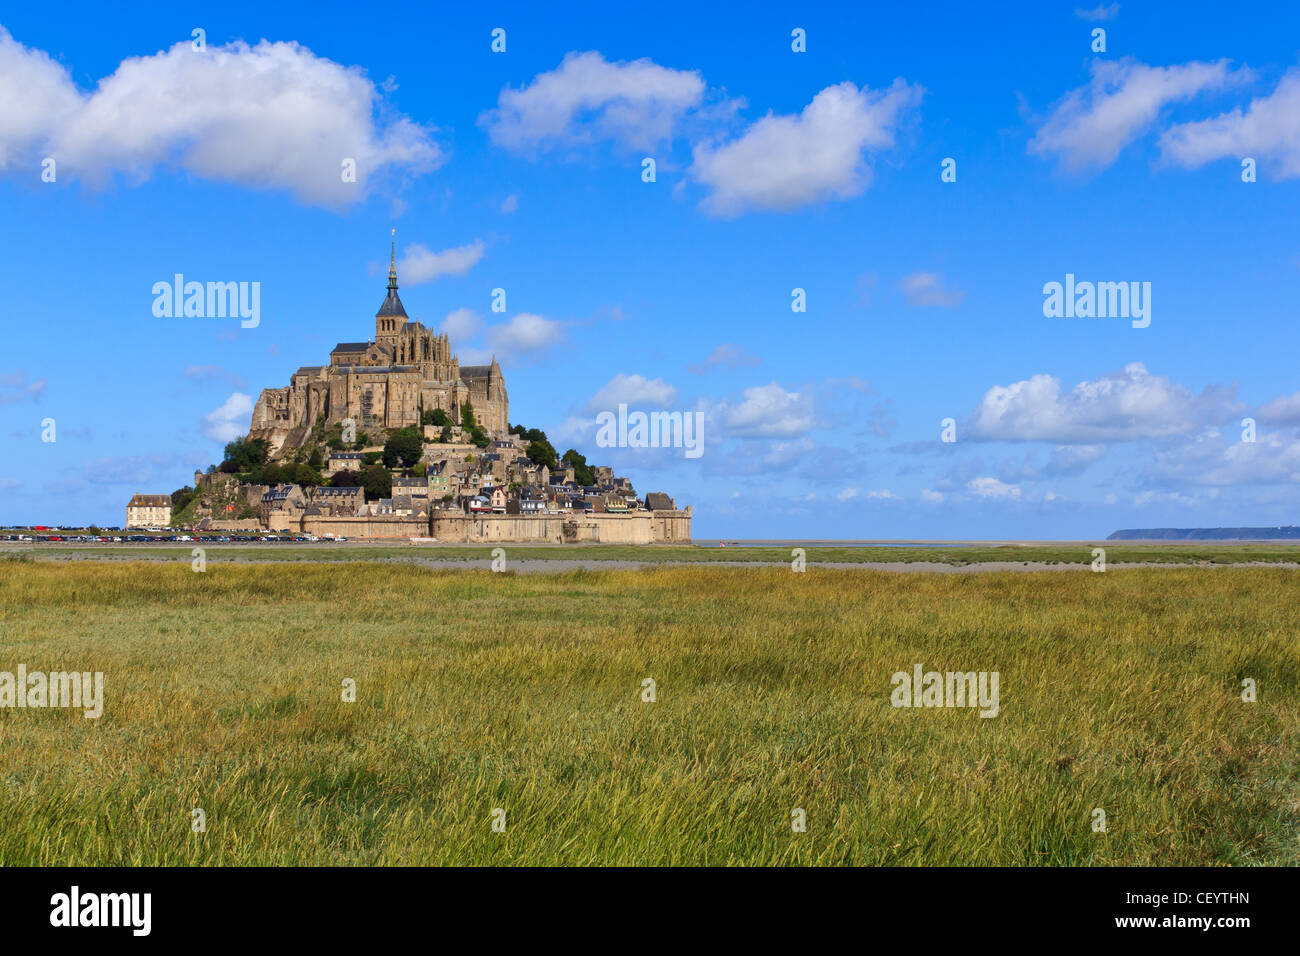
column 306, row 475
column 316, row 460
column 344, row 479
column 541, row 452
column 582, row 472
column 273, row 474
column 444, row 436
column 467, row 419
column 377, row 481
column 182, row 497
column 420, row 469
column 244, row 454
column 435, row 416
column 403, row 447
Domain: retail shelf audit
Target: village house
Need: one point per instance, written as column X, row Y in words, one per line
column 412, row 487
column 282, row 506
column 528, row 502
column 344, row 461
column 440, row 486
column 344, row 502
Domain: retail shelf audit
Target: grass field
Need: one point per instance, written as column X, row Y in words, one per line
column 477, row 691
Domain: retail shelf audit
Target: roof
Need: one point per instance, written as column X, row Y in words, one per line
column 150, row 501
column 392, row 305
column 280, row 494
column 658, row 501
column 475, row 371
column 340, row 491
column 351, row 346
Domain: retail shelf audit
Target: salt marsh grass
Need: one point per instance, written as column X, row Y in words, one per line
column 476, row 691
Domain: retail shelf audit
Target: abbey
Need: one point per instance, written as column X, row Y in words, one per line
column 383, row 383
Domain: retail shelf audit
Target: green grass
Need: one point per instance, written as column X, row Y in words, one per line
column 480, row 690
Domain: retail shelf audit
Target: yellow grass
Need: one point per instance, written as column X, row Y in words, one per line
column 477, row 691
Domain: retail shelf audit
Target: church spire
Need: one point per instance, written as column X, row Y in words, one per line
column 392, row 264
column 391, row 315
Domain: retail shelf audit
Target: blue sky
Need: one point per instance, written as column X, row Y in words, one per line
column 775, row 170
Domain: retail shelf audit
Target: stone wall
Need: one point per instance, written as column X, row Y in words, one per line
column 454, row 527
column 642, row 527
column 382, row 527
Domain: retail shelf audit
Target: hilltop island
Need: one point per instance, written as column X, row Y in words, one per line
column 395, row 439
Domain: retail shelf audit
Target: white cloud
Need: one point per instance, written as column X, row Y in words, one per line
column 1120, row 406
column 632, row 390
column 784, row 454
column 769, row 411
column 784, row 162
column 637, row 105
column 462, row 325
column 1268, row 130
column 848, row 494
column 926, row 288
column 509, row 204
column 1281, row 411
column 1091, row 125
column 931, row 496
column 14, row 388
column 420, row 264
column 1073, row 459
column 1214, row 460
column 882, row 494
column 989, row 487
column 230, row 421
column 273, row 115
column 36, row 96
column 523, row 336
column 727, row 355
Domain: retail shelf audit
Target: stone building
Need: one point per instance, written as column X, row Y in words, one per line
column 149, row 511
column 282, row 507
column 383, row 383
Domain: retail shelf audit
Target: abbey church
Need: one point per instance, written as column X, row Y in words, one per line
column 383, row 383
